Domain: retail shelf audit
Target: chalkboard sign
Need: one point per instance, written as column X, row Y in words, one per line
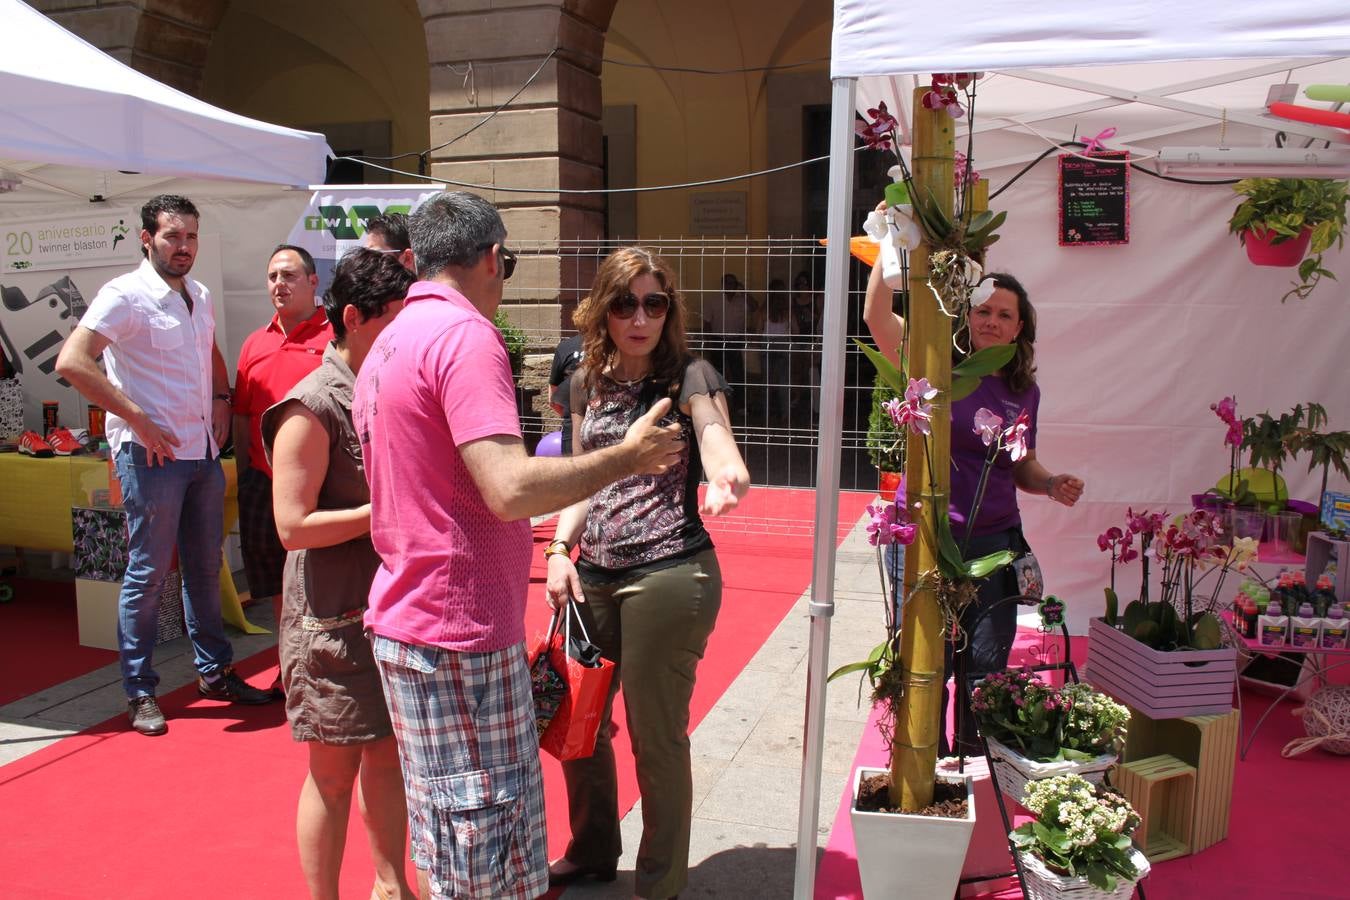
column 1094, row 199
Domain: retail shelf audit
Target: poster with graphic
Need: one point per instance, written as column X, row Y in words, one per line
column 335, row 220
column 41, row 303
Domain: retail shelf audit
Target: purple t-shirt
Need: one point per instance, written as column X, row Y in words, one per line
column 998, row 510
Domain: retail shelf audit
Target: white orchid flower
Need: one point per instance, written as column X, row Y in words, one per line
column 981, row 293
column 876, row 226
column 974, row 271
column 907, row 230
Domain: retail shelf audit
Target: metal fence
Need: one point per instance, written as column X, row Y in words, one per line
column 754, row 310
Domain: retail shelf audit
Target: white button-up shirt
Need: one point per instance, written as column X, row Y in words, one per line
column 159, row 355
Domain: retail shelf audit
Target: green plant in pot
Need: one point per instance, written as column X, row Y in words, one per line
column 1298, row 219
column 1329, row 450
column 885, row 442
column 515, row 339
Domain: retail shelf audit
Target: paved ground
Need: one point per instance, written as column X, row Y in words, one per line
column 747, row 750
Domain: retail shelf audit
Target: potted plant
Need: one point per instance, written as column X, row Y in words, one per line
column 885, row 443
column 515, row 339
column 1282, row 219
column 932, row 849
column 1035, row 731
column 1165, row 657
column 1078, row 845
column 1329, row 450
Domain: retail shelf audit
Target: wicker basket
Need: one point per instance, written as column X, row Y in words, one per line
column 1042, row 884
column 1015, row 770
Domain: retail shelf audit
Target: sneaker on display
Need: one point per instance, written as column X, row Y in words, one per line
column 63, row 443
column 32, row 444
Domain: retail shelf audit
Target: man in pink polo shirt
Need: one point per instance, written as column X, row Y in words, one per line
column 452, row 490
column 272, row 361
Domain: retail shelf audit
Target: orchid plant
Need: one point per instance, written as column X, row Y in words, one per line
column 1189, row 549
column 955, row 578
column 958, row 241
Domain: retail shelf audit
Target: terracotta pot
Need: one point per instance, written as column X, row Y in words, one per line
column 1263, row 252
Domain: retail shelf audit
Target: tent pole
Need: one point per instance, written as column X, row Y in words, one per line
column 821, row 606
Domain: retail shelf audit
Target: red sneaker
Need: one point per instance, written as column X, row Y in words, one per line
column 63, row 443
column 32, row 444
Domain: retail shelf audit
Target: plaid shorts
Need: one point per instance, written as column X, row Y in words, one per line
column 466, row 740
column 264, row 557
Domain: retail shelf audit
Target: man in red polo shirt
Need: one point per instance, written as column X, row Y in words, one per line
column 272, row 361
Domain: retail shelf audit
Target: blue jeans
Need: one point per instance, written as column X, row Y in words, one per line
column 990, row 627
column 180, row 503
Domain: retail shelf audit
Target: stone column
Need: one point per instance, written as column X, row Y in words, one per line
column 165, row 39
column 482, row 52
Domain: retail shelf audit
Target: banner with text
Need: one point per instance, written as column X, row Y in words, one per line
column 101, row 238
column 335, row 220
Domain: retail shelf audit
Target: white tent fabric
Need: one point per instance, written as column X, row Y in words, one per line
column 884, row 38
column 68, row 104
column 1147, row 335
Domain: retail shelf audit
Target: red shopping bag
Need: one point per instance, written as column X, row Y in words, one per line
column 572, row 727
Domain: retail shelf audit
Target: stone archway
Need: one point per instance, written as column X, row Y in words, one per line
column 165, row 39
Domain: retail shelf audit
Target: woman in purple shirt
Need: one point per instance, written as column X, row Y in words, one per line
column 1007, row 317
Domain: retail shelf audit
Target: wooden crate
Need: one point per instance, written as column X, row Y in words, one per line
column 1162, row 790
column 1163, row 685
column 1209, row 743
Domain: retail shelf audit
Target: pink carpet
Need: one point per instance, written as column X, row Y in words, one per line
column 1279, row 844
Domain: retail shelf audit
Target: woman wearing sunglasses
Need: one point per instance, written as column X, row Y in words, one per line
column 646, row 571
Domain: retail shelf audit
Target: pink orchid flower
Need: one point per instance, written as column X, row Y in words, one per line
column 889, row 525
column 987, row 425
column 915, row 412
column 1015, row 438
column 877, row 133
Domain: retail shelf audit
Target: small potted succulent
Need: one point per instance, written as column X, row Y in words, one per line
column 1283, row 220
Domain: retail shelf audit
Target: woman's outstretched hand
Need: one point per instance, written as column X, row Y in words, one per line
column 1066, row 489
column 725, row 490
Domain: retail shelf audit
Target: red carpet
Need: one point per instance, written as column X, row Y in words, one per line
column 209, row 808
column 39, row 640
column 1278, row 845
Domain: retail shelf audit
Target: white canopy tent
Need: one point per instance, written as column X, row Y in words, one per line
column 79, row 123
column 84, row 137
column 1134, row 341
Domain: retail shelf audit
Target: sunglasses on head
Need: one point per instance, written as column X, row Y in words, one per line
column 625, row 306
column 508, row 259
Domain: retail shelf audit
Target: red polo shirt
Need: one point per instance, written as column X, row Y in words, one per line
column 270, row 364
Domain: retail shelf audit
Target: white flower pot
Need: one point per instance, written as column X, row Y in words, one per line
column 1043, row 884
column 910, row 857
column 1015, row 770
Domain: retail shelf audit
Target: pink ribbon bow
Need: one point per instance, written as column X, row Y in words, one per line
column 1094, row 144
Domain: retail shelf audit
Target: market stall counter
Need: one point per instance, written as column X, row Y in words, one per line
column 69, row 504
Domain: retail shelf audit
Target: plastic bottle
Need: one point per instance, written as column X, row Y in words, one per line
column 1250, row 616
column 1273, row 627
column 1305, row 629
column 1302, row 595
column 1335, row 629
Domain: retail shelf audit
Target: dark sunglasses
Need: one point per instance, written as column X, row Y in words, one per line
column 508, row 260
column 625, row 306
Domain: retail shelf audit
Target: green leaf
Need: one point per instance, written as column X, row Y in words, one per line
column 948, row 552
column 963, row 386
column 859, row 666
column 979, row 568
column 986, row 361
column 895, row 378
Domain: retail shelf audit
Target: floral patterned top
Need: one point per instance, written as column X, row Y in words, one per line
column 642, row 522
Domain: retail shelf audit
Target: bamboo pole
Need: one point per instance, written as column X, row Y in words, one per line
column 914, row 745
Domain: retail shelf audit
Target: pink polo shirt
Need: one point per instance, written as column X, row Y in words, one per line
column 452, row 574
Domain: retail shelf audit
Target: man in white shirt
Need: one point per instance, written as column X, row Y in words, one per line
column 167, row 398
